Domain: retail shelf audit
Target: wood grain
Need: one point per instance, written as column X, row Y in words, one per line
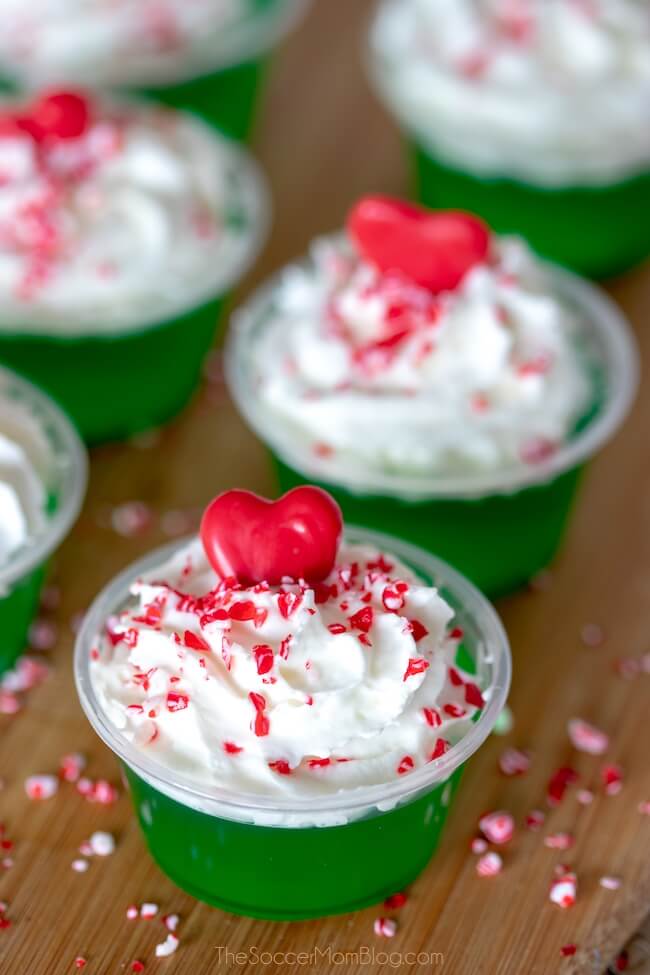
column 324, row 140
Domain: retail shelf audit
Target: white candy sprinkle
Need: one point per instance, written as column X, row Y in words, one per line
column 147, row 911
column 610, row 883
column 80, row 866
column 385, row 927
column 102, row 844
column 167, row 947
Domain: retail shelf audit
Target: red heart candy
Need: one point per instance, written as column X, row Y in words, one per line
column 59, row 115
column 434, row 248
column 257, row 540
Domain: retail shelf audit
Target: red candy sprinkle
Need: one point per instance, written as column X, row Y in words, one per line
column 416, row 665
column 231, row 749
column 392, row 599
column 441, row 746
column 281, row 767
column 336, row 628
column 568, row 950
column 243, row 611
column 264, row 658
column 176, row 701
column 418, row 631
column 395, row 901
column 257, row 540
column 363, row 619
column 288, row 603
column 434, row 249
column 473, row 695
column 432, row 717
column 612, row 778
column 558, row 784
column 563, row 890
column 406, row 765
column 194, row 642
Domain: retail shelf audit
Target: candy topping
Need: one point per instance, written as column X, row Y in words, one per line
column 256, row 540
column 56, row 115
column 434, row 249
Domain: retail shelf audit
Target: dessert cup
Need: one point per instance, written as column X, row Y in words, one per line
column 590, row 217
column 498, row 528
column 290, row 859
column 116, row 382
column 22, row 576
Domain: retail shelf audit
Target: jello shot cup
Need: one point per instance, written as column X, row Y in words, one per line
column 304, row 851
column 572, row 175
column 42, row 486
column 427, row 416
column 140, row 221
column 207, row 58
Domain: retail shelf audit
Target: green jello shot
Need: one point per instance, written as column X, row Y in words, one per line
column 21, row 576
column 539, row 142
column 227, row 97
column 498, row 528
column 288, row 858
column 129, row 364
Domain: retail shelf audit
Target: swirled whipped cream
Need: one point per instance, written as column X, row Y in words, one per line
column 133, row 42
column 552, row 90
column 24, row 458
column 358, row 373
column 130, row 215
column 291, row 690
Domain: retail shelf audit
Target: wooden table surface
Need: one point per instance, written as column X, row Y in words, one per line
column 324, row 140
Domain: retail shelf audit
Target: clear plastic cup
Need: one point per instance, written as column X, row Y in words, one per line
column 287, row 859
column 594, row 222
column 155, row 362
column 22, row 576
column 498, row 528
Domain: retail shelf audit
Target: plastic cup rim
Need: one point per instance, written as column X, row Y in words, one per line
column 493, row 635
column 603, row 319
column 73, row 454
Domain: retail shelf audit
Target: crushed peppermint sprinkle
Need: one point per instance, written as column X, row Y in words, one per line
column 558, row 784
column 102, row 844
column 80, row 865
column 513, row 761
column 132, row 912
column 587, row 738
column 171, row 921
column 497, row 827
column 41, row 786
column 535, row 820
column 489, row 865
column 592, row 635
column 478, row 845
column 564, row 889
column 80, row 961
column 610, row 883
column 385, row 927
column 168, row 946
column 148, row 911
column 559, row 841
column 612, row 779
column 71, row 766
column 585, row 797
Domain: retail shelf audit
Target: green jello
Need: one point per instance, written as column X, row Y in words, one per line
column 114, row 386
column 290, row 874
column 17, row 610
column 226, row 99
column 499, row 542
column 597, row 230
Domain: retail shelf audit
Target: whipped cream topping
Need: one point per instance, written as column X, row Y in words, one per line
column 134, row 42
column 287, row 691
column 360, row 373
column 24, row 461
column 142, row 216
column 552, row 90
